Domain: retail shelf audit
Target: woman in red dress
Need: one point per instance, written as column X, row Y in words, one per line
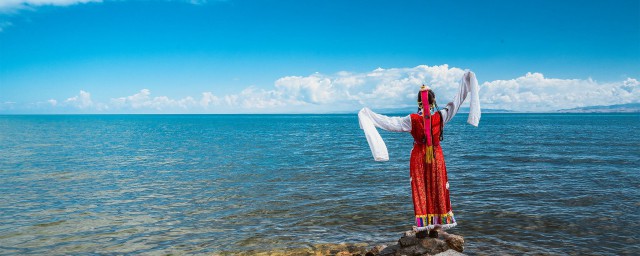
column 429, row 184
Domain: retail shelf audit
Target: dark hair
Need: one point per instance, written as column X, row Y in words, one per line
column 432, row 100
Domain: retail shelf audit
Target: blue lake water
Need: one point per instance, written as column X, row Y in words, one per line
column 133, row 184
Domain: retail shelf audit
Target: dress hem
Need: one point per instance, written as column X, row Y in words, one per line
column 430, row 227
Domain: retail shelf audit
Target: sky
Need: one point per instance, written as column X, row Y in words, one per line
column 330, row 56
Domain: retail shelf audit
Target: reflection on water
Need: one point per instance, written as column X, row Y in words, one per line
column 551, row 184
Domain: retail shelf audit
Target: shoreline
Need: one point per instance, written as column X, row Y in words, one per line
column 408, row 245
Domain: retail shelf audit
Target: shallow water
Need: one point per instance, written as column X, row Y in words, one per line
column 520, row 183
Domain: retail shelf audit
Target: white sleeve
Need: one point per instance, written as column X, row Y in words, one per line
column 392, row 124
column 468, row 85
column 369, row 121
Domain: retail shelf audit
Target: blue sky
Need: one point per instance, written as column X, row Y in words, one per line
column 237, row 56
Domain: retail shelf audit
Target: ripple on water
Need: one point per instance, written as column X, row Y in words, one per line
column 520, row 184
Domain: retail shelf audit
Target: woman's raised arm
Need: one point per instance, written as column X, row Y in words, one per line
column 369, row 120
column 392, row 124
column 468, row 85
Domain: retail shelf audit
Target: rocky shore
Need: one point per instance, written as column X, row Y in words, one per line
column 445, row 245
column 408, row 245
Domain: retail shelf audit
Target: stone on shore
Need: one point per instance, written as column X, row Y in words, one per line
column 455, row 242
column 409, row 245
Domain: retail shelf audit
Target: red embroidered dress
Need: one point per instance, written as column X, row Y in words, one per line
column 429, row 184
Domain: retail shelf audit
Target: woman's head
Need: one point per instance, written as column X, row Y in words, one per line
column 431, row 98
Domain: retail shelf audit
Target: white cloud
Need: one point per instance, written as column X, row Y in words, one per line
column 12, row 5
column 9, row 8
column 534, row 92
column 22, row 4
column 314, row 89
column 253, row 98
column 397, row 87
column 231, row 100
column 142, row 101
column 81, row 101
column 208, row 99
column 380, row 88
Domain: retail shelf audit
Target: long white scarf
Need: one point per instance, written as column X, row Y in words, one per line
column 468, row 84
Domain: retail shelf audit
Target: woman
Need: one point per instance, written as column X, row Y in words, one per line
column 429, row 184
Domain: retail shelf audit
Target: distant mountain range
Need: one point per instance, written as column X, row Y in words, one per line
column 619, row 108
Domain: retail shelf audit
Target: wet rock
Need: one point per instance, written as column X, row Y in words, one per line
column 408, row 241
column 342, row 249
column 376, row 250
column 409, row 233
column 413, row 250
column 450, row 252
column 434, row 245
column 409, row 245
column 390, row 250
column 455, row 242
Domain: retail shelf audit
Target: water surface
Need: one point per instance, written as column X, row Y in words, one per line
column 520, row 183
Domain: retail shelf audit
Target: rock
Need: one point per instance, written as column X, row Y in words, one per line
column 412, row 250
column 409, row 245
column 434, row 245
column 389, row 250
column 409, row 233
column 407, row 241
column 455, row 242
column 342, row 249
column 377, row 250
column 450, row 252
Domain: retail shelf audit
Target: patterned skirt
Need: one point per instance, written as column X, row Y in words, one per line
column 430, row 190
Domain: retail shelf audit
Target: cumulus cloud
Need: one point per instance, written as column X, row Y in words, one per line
column 397, row 87
column 254, row 98
column 378, row 89
column 209, row 100
column 345, row 91
column 143, row 100
column 7, row 5
column 11, row 8
column 13, row 5
column 81, row 101
column 534, row 92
